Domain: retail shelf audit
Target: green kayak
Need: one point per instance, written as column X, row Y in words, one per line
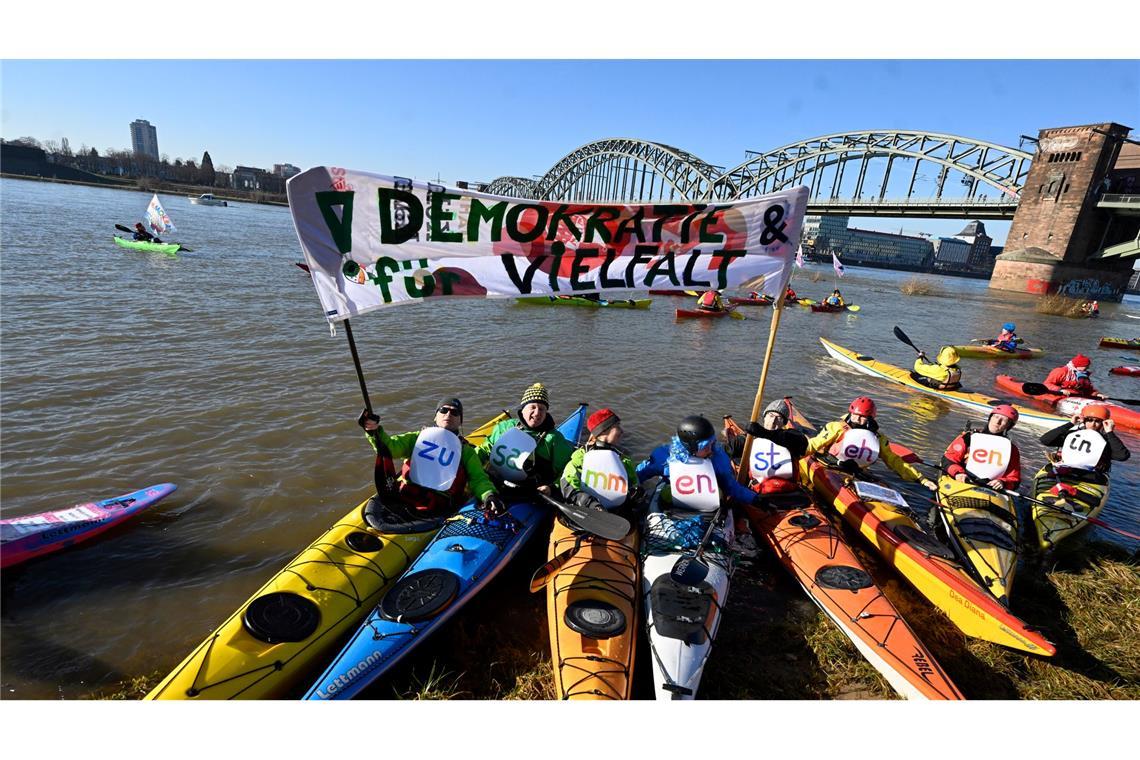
column 143, row 245
column 641, row 303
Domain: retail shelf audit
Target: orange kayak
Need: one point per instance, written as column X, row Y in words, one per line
column 592, row 607
column 817, row 556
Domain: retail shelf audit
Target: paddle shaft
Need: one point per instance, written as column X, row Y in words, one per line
column 681, row 568
column 777, row 310
column 903, row 337
column 356, row 362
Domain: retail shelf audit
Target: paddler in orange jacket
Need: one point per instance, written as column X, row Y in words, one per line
column 856, row 443
column 710, row 300
column 1074, row 379
column 987, row 456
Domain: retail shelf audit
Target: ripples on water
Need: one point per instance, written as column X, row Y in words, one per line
column 216, row 371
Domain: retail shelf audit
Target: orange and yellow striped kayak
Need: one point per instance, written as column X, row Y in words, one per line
column 927, row 564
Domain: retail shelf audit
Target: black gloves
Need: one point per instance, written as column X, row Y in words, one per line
column 754, row 429
column 366, row 415
column 760, row 502
column 583, row 500
column 493, row 506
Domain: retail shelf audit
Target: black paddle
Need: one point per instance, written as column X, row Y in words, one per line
column 1037, row 389
column 902, row 336
column 596, row 521
column 691, row 569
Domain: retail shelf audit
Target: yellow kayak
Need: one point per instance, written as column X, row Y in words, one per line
column 591, row 606
column 977, row 401
column 982, row 527
column 1085, row 493
column 297, row 621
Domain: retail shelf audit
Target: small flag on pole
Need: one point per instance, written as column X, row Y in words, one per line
column 836, row 264
column 800, row 257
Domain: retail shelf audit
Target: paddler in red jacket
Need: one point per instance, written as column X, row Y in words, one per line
column 987, row 456
column 440, row 466
column 1074, row 379
column 710, row 300
column 856, row 443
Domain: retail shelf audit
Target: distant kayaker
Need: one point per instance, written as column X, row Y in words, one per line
column 1074, row 379
column 143, row 235
column 1087, row 441
column 835, row 299
column 529, row 451
column 697, row 468
column 943, row 374
column 1007, row 339
column 790, row 295
column 855, row 443
column 986, row 456
column 610, row 479
column 710, row 300
column 433, row 481
column 1091, row 309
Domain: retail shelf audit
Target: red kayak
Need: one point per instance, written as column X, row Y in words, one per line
column 741, row 301
column 699, row 314
column 826, row 307
column 1070, row 405
column 669, row 293
column 1131, row 371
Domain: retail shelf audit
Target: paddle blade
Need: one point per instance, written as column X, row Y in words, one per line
column 854, row 307
column 543, row 574
column 1034, row 389
column 689, row 571
column 121, row 228
column 302, row 266
column 735, row 314
column 692, row 293
column 902, row 336
column 598, row 522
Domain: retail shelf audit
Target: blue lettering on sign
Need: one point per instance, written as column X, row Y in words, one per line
column 445, row 457
column 766, row 460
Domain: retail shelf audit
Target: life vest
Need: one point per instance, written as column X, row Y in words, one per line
column 509, row 452
column 1083, row 449
column 709, row 300
column 856, row 445
column 939, row 373
column 432, row 479
column 693, row 485
column 604, row 477
column 770, row 460
column 988, row 456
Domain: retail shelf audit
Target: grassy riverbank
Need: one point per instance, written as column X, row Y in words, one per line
column 775, row 644
column 148, row 186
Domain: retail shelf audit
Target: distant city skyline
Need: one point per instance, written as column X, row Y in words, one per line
column 477, row 120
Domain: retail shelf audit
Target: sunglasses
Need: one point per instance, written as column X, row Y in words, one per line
column 1092, row 419
column 449, row 410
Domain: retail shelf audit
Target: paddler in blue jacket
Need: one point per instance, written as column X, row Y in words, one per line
column 440, row 466
column 692, row 449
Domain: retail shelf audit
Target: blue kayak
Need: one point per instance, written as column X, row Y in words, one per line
column 467, row 553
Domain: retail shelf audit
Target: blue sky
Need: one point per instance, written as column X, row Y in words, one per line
column 478, row 119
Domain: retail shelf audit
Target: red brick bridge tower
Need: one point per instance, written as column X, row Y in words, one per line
column 1063, row 224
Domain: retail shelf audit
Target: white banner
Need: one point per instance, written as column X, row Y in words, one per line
column 372, row 241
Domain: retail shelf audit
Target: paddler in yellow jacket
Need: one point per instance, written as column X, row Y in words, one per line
column 942, row 375
column 856, row 443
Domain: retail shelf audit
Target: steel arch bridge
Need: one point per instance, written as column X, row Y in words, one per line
column 864, row 173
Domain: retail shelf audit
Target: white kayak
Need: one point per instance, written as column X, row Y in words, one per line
column 681, row 620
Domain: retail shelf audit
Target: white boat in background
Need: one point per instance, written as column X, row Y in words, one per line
column 206, row 199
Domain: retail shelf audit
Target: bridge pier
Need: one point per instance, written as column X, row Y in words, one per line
column 1058, row 227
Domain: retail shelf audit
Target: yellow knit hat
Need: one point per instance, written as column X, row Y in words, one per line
column 536, row 392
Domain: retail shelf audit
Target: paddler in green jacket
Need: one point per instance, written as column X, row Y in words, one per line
column 432, row 482
column 599, row 475
column 942, row 375
column 528, row 451
column 856, row 443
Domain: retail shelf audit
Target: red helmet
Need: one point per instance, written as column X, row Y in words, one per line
column 862, row 405
column 1007, row 411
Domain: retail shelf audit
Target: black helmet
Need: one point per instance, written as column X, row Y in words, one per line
column 695, row 432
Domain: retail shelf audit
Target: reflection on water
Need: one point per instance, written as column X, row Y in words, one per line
column 216, row 371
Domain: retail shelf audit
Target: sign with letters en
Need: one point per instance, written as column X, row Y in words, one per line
column 372, row 241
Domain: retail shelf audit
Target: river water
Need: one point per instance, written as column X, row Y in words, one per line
column 216, row 371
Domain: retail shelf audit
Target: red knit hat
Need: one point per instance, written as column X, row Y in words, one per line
column 1080, row 360
column 601, row 421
